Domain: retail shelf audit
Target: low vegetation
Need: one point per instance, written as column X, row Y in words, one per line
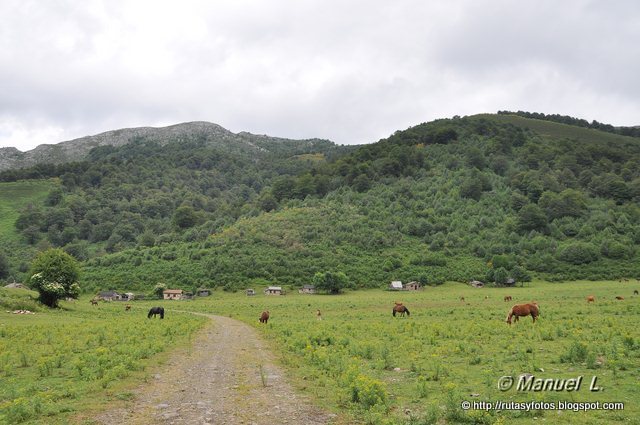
column 57, row 362
column 419, row 369
column 357, row 359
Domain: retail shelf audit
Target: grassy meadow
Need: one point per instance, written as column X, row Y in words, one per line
column 358, row 361
column 418, row 369
column 55, row 364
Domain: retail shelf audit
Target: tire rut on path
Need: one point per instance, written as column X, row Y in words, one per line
column 229, row 377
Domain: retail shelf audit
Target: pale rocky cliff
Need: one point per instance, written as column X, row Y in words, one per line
column 77, row 149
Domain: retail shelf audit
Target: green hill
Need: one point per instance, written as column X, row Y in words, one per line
column 14, row 198
column 484, row 197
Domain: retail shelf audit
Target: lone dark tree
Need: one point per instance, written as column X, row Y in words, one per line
column 4, row 266
column 333, row 283
column 54, row 274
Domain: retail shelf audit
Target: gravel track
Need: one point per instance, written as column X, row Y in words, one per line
column 228, row 376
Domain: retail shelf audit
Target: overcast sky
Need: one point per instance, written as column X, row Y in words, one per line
column 348, row 71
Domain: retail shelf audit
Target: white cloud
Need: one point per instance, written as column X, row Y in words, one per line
column 352, row 71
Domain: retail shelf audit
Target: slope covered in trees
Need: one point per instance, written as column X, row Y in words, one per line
column 484, row 197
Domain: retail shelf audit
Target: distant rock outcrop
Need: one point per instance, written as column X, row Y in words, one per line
column 78, row 149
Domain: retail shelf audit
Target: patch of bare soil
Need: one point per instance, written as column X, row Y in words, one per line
column 229, row 377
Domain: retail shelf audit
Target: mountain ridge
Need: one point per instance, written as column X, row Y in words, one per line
column 487, row 197
column 78, row 149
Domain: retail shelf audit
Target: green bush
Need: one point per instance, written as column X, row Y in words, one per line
column 54, row 274
column 368, row 392
column 578, row 253
column 577, row 353
column 615, row 250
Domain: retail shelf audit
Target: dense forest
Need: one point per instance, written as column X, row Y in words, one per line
column 565, row 119
column 487, row 197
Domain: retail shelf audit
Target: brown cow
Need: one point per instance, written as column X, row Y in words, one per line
column 508, row 298
column 635, row 292
column 127, row 307
column 264, row 317
column 591, row 299
column 619, row 298
column 94, row 302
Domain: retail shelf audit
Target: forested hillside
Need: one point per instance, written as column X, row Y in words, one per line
column 485, row 197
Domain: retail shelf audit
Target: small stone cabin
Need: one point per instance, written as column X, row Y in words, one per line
column 204, row 292
column 109, row 296
column 307, row 289
column 274, row 290
column 250, row 292
column 412, row 286
column 172, row 294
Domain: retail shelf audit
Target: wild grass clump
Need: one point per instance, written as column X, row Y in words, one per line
column 368, row 392
column 577, row 353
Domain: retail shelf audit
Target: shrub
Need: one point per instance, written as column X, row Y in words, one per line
column 500, row 276
column 430, row 259
column 368, row 392
column 578, row 253
column 577, row 353
column 613, row 249
column 54, row 274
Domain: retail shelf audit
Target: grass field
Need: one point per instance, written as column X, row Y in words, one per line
column 358, row 360
column 419, row 369
column 56, row 364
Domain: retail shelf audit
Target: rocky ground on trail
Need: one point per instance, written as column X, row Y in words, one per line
column 228, row 376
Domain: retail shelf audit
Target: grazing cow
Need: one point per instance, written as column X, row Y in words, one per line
column 508, row 298
column 591, row 299
column 462, row 299
column 635, row 292
column 127, row 307
column 519, row 310
column 319, row 315
column 94, row 302
column 264, row 317
column 619, row 298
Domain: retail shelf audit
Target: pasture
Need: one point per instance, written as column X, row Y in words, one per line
column 57, row 363
column 418, row 369
column 358, row 360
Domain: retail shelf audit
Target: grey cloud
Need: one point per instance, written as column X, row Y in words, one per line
column 352, row 71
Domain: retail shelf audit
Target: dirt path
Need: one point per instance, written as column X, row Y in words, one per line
column 221, row 381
